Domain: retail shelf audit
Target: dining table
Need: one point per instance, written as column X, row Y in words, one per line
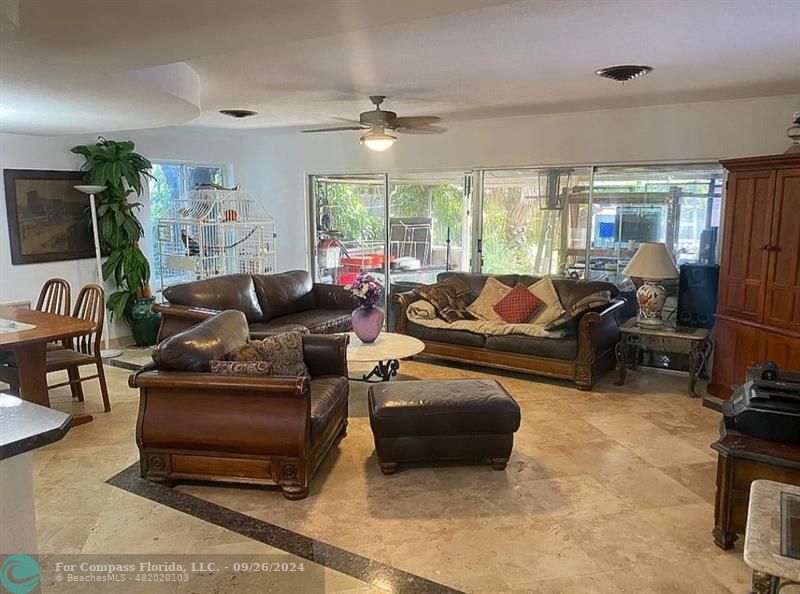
column 26, row 333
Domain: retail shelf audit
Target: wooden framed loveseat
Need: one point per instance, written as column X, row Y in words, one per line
column 586, row 350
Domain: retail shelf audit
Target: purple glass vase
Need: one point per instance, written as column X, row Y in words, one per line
column 367, row 322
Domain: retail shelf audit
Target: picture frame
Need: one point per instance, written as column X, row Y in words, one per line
column 48, row 219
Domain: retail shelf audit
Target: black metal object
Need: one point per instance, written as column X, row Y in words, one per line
column 385, row 370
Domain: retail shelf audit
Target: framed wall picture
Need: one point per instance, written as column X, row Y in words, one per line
column 48, row 219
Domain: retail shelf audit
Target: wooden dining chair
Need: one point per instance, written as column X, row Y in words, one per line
column 79, row 351
column 84, row 350
column 55, row 297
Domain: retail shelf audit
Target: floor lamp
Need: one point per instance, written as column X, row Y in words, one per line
column 108, row 352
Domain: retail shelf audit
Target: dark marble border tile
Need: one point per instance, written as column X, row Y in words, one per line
column 367, row 570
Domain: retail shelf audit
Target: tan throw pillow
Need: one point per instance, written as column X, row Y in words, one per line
column 589, row 302
column 483, row 307
column 283, row 351
column 546, row 292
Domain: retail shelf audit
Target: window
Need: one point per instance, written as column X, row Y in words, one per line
column 582, row 222
column 428, row 226
column 524, row 211
column 170, row 181
column 671, row 204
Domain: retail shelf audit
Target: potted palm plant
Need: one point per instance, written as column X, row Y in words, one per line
column 118, row 167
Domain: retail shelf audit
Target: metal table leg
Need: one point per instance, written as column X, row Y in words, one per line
column 697, row 361
column 621, row 351
column 385, row 370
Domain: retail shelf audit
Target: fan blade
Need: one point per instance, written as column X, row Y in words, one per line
column 415, row 121
column 422, row 130
column 336, row 129
column 352, row 121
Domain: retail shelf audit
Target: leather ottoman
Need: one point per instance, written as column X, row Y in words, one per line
column 419, row 421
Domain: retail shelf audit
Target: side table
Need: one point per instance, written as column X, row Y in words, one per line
column 772, row 541
column 741, row 461
column 385, row 352
column 635, row 338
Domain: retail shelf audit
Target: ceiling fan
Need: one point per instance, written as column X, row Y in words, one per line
column 377, row 121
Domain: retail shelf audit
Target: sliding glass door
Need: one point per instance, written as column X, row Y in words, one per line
column 428, row 225
column 677, row 205
column 532, row 220
column 581, row 222
column 349, row 232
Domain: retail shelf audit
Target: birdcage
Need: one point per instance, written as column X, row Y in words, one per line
column 210, row 232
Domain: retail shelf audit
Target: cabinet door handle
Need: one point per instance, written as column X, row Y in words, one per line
column 764, row 246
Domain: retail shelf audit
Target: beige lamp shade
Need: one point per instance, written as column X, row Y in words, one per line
column 652, row 262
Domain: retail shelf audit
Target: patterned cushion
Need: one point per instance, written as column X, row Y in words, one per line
column 483, row 307
column 241, row 367
column 245, row 353
column 546, row 291
column 447, row 298
column 518, row 305
column 591, row 301
column 283, row 351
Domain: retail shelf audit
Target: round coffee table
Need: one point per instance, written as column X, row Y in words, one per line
column 385, row 352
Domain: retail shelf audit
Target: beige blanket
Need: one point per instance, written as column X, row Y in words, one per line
column 423, row 313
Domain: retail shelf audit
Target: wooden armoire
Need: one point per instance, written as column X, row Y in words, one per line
column 758, row 316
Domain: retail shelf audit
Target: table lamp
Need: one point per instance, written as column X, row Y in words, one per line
column 652, row 263
column 108, row 352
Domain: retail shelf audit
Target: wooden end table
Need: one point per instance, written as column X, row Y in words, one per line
column 635, row 338
column 385, row 352
column 741, row 461
column 772, row 541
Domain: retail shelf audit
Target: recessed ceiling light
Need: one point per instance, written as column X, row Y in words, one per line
column 624, row 73
column 238, row 113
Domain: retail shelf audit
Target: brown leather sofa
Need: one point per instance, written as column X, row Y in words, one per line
column 193, row 424
column 586, row 351
column 271, row 303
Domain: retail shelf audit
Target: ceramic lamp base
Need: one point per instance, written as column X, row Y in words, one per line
column 651, row 298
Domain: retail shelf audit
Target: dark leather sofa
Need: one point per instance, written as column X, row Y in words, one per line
column 271, row 303
column 194, row 424
column 586, row 351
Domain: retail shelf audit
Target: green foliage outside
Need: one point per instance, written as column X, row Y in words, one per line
column 357, row 211
column 511, row 233
column 444, row 203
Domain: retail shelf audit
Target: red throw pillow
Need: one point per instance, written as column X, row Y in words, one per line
column 518, row 305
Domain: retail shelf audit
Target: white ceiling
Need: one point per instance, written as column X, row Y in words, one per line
column 90, row 65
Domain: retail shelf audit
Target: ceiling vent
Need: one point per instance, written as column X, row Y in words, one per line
column 238, row 113
column 624, row 73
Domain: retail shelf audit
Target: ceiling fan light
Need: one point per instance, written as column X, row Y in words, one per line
column 377, row 140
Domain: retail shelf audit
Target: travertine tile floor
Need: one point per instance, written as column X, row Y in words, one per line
column 607, row 492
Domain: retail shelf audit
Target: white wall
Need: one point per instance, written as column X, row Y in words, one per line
column 48, row 152
column 274, row 164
